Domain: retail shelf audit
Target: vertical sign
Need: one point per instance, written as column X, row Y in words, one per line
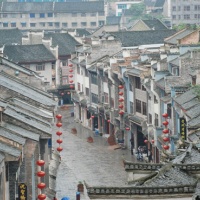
column 22, row 191
column 183, row 128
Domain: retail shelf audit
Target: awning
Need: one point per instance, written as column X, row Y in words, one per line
column 92, row 109
column 166, row 99
column 136, row 119
column 83, row 102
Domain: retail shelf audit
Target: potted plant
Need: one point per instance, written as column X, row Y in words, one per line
column 80, row 187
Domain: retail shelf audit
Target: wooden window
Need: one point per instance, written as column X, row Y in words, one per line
column 79, row 87
column 138, row 106
column 94, row 78
column 169, row 108
column 40, row 67
column 156, row 120
column 131, row 107
column 130, row 87
column 94, row 98
column 155, row 100
column 137, row 83
column 87, row 91
column 144, row 108
column 105, row 97
column 150, row 119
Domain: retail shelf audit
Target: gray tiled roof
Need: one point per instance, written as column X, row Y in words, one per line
column 10, row 36
column 134, row 72
column 136, row 38
column 194, row 111
column 159, row 3
column 190, row 104
column 26, row 91
column 112, row 20
column 161, row 83
column 80, row 32
column 166, row 98
column 5, row 148
column 194, row 122
column 175, row 61
column 192, row 158
column 9, row 135
column 22, row 132
column 169, row 178
column 174, row 39
column 155, row 24
column 185, row 97
column 31, row 108
column 28, row 53
column 21, row 7
column 66, row 43
column 29, row 121
column 79, row 7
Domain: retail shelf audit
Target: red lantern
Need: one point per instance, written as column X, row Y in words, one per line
column 59, row 116
column 108, row 121
column 165, row 115
column 92, row 116
column 165, row 131
column 41, row 196
column 68, row 93
column 59, row 149
column 166, row 139
column 71, row 81
column 120, row 86
column 165, row 123
column 59, row 141
column 40, row 162
column 127, row 129
column 166, row 147
column 121, row 100
column 152, row 141
column 121, row 93
column 41, row 185
column 71, row 86
column 41, row 173
column 70, row 75
column 145, row 141
column 71, row 70
column 59, row 124
column 62, row 94
column 58, row 133
column 121, row 106
column 70, row 65
column 121, row 112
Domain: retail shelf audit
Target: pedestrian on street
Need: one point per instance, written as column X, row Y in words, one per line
column 132, row 145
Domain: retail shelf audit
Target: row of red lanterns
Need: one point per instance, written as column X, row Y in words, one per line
column 59, row 133
column 41, row 185
column 121, row 112
column 165, row 132
column 71, row 75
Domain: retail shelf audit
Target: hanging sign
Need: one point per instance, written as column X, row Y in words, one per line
column 183, row 128
column 22, row 191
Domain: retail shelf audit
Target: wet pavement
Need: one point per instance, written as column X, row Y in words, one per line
column 95, row 163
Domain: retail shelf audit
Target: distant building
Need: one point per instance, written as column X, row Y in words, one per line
column 52, row 15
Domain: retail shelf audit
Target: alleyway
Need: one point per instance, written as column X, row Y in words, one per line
column 94, row 163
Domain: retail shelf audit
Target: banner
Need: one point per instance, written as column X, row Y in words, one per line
column 183, row 128
column 22, row 191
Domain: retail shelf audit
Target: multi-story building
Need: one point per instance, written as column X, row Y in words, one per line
column 182, row 11
column 52, row 15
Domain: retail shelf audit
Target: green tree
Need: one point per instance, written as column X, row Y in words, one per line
column 138, row 10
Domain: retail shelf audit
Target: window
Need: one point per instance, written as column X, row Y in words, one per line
column 94, row 78
column 42, row 15
column 186, row 8
column 156, row 120
column 50, row 23
column 137, row 82
column 194, row 80
column 5, row 24
column 169, row 108
column 174, row 8
column 74, row 14
column 179, row 8
column 5, row 15
column 144, row 108
column 186, row 16
column 155, row 100
column 83, row 15
column 122, row 6
column 105, row 97
column 40, row 67
column 32, row 24
column 175, row 71
column 74, row 24
column 150, row 119
column 197, row 7
column 130, row 87
column 13, row 24
column 57, row 24
column 22, row 15
column 32, row 15
column 94, row 98
column 83, row 24
column 138, row 106
column 93, row 23
column 13, row 15
column 42, row 24
column 93, row 14
column 50, row 14
column 79, row 87
column 173, row 16
column 64, row 24
column 143, row 88
column 23, row 24
column 86, row 73
column 112, row 103
column 101, row 23
column 101, row 13
column 131, row 107
column 87, row 91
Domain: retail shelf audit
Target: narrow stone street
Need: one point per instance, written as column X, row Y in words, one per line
column 95, row 163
